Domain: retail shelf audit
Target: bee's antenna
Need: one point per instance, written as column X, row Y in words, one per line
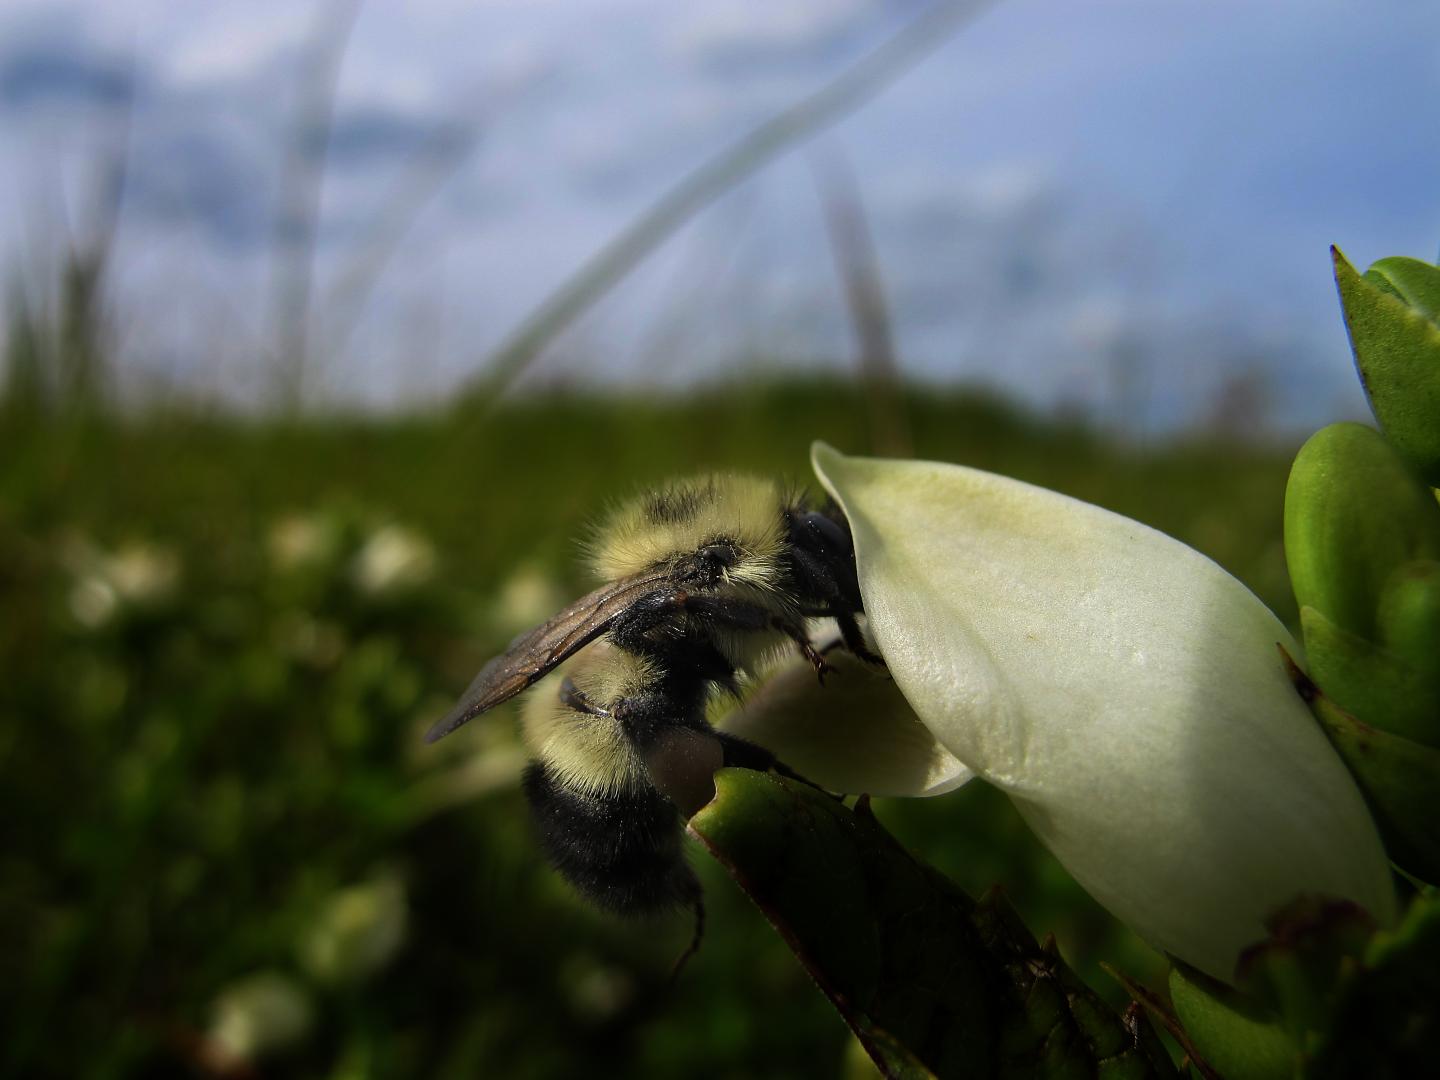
column 699, row 908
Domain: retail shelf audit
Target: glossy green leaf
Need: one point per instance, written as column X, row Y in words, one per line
column 1370, row 681
column 929, row 980
column 1232, row 1032
column 1390, row 314
column 1409, row 614
column 1400, row 779
column 1354, row 514
column 1415, row 282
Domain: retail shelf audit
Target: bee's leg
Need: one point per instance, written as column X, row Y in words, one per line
column 697, row 905
column 572, row 697
column 631, row 625
column 743, row 754
column 744, row 615
column 807, row 650
column 855, row 640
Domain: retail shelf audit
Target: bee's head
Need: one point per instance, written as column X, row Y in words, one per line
column 710, row 531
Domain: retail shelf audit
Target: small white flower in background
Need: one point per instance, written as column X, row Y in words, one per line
column 359, row 931
column 137, row 575
column 300, row 540
column 256, row 1016
column 1123, row 690
column 528, row 598
column 391, row 560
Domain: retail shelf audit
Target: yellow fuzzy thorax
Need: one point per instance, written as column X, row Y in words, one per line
column 587, row 753
column 685, row 515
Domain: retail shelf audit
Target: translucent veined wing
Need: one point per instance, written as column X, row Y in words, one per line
column 534, row 654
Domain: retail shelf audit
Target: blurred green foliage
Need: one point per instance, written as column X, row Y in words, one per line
column 222, row 639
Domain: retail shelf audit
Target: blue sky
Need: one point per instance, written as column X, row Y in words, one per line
column 1117, row 207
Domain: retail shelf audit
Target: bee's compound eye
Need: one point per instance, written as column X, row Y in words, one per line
column 682, row 763
column 831, row 533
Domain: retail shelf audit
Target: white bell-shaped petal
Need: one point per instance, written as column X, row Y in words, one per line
column 1124, row 690
column 855, row 733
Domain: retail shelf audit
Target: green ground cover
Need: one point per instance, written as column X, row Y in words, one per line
column 221, row 640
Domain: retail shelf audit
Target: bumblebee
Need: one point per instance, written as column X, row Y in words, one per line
column 704, row 580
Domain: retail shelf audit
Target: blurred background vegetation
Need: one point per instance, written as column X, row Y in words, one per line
column 223, row 638
column 223, row 630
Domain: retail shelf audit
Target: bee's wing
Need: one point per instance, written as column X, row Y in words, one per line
column 533, row 655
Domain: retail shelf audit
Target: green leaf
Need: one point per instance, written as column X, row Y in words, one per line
column 1386, row 1022
column 1399, row 778
column 929, row 980
column 1370, row 681
column 1325, row 996
column 1409, row 614
column 1354, row 514
column 1233, row 1033
column 1416, row 283
column 1391, row 316
column 1312, row 944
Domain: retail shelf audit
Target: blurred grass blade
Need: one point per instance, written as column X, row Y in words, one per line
column 857, row 264
column 297, row 218
column 931, row 981
column 608, row 266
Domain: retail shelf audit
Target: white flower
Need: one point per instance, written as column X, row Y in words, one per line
column 359, row 931
column 855, row 733
column 1122, row 689
column 393, row 559
column 255, row 1016
column 136, row 576
column 298, row 541
column 528, row 597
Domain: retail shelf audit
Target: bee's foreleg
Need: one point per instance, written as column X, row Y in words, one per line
column 807, row 649
column 735, row 614
column 855, row 640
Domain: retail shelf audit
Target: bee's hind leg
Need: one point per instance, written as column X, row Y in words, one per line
column 696, row 901
column 743, row 754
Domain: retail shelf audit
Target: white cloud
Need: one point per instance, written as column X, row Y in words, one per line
column 237, row 44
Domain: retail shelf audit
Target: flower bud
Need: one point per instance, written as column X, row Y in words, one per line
column 1122, row 689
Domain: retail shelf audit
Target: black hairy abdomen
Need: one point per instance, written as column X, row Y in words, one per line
column 621, row 852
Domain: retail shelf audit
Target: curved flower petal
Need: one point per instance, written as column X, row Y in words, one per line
column 1125, row 691
column 855, row 733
